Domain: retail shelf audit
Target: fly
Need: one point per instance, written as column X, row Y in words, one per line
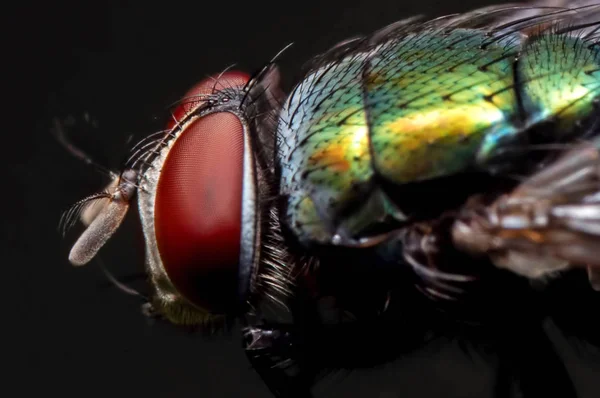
column 449, row 150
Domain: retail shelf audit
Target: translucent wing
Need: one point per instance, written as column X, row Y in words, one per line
column 549, row 222
column 580, row 16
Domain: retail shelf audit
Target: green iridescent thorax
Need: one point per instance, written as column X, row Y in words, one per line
column 412, row 109
column 324, row 148
column 431, row 99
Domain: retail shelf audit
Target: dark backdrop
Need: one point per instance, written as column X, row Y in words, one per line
column 123, row 63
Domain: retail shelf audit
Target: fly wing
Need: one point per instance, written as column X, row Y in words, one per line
column 549, row 222
column 573, row 4
column 579, row 16
column 527, row 18
column 594, row 275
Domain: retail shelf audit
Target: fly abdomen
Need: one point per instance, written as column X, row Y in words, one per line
column 558, row 83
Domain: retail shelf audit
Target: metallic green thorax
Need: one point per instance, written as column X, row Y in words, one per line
column 424, row 104
column 431, row 98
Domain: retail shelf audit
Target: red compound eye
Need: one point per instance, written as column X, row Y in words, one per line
column 198, row 209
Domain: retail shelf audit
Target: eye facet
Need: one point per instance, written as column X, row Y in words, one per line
column 198, row 207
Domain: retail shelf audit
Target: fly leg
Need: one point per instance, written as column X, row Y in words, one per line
column 477, row 290
column 274, row 337
column 277, row 349
column 291, row 356
column 270, row 350
column 442, row 272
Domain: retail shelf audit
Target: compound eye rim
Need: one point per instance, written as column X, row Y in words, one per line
column 194, row 97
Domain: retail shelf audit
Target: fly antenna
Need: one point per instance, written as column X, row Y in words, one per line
column 104, row 220
column 60, row 134
column 284, row 49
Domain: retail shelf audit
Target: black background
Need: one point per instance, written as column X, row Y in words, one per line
column 124, row 62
